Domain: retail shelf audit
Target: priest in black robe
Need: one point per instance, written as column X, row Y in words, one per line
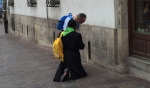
column 72, row 67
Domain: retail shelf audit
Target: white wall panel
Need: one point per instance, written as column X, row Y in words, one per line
column 20, row 7
column 99, row 12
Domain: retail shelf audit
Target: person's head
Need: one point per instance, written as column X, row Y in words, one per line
column 81, row 17
column 72, row 23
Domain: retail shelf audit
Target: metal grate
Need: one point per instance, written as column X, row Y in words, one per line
column 53, row 36
column 27, row 30
column 11, row 3
column 13, row 24
column 89, row 50
column 31, row 3
column 52, row 3
column 22, row 28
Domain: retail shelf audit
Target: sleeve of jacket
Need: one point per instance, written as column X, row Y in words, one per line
column 80, row 43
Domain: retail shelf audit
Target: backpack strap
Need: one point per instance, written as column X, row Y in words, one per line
column 70, row 15
column 61, row 35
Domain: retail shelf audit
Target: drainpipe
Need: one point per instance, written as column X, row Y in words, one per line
column 115, row 31
column 47, row 11
column 116, row 13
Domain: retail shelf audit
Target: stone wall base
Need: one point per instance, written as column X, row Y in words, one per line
column 100, row 41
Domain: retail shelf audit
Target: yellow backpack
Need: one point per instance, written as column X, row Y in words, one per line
column 58, row 48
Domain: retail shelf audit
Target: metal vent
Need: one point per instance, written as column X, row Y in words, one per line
column 11, row 3
column 52, row 3
column 89, row 50
column 13, row 24
column 31, row 3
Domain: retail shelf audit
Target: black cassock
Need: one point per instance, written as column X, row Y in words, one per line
column 72, row 42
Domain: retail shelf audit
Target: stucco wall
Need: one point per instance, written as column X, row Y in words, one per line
column 20, row 7
column 96, row 10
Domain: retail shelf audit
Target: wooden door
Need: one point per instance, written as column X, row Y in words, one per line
column 139, row 27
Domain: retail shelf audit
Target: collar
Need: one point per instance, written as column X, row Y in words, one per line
column 68, row 30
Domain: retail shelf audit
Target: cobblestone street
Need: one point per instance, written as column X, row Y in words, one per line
column 24, row 64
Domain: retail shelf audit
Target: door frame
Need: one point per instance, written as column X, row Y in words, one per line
column 132, row 33
column 130, row 25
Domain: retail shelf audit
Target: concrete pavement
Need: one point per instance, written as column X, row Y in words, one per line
column 24, row 64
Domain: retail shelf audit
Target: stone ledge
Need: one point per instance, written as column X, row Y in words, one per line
column 142, row 64
column 139, row 73
column 139, row 67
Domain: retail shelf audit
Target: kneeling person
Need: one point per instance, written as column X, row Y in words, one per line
column 71, row 68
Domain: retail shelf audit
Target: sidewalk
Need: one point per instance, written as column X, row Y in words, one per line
column 24, row 64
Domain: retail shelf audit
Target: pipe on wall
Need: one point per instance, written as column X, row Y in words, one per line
column 47, row 11
column 116, row 13
column 115, row 31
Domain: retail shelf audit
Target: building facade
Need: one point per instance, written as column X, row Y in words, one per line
column 108, row 33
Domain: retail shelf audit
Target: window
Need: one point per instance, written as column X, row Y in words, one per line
column 31, row 3
column 142, row 16
column 11, row 3
column 52, row 3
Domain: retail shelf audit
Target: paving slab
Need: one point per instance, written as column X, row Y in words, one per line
column 24, row 64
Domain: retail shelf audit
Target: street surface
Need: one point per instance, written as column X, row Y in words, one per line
column 24, row 64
